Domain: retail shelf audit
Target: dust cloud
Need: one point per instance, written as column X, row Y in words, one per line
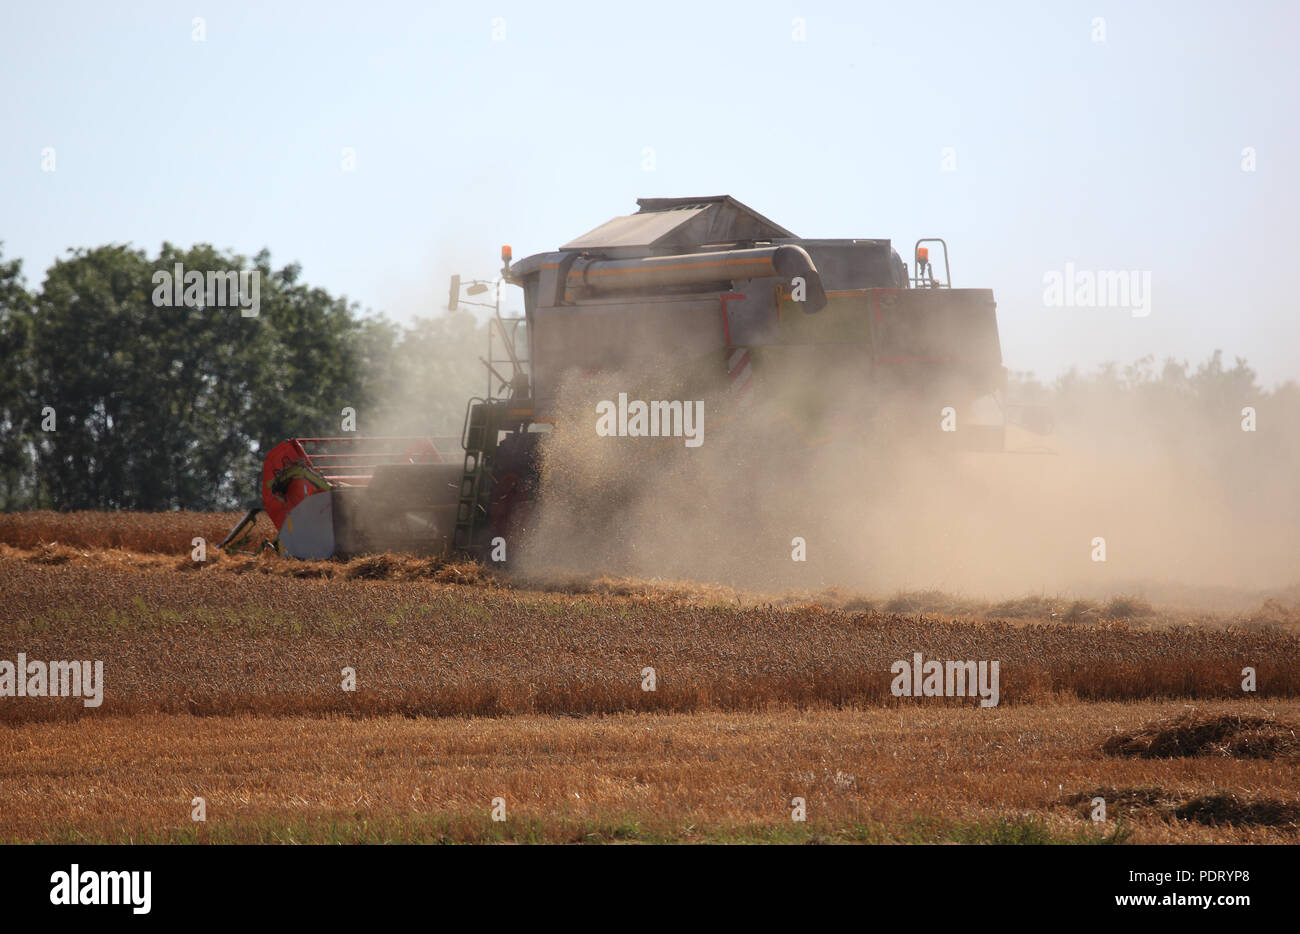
column 1192, row 509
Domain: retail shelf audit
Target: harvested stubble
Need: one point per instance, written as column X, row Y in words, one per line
column 932, row 774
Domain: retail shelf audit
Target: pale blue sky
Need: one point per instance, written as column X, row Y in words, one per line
column 1122, row 154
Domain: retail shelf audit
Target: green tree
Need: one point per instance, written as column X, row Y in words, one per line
column 162, row 404
column 17, row 421
column 165, row 406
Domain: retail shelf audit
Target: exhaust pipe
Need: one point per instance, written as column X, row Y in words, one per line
column 650, row 273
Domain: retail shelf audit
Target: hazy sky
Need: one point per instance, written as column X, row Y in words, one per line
column 1005, row 128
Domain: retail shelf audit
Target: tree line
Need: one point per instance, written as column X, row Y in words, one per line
column 113, row 396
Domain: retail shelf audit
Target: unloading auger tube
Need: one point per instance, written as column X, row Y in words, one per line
column 593, row 276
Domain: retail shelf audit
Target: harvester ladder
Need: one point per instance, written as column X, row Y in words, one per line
column 479, row 440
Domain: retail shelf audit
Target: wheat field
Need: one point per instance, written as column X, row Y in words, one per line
column 226, row 680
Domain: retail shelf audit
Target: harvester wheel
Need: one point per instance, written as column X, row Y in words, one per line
column 513, row 490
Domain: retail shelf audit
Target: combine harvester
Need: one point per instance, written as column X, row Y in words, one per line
column 712, row 299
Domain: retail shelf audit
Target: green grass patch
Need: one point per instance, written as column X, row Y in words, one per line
column 480, row 829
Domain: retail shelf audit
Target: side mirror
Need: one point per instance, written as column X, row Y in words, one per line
column 453, row 300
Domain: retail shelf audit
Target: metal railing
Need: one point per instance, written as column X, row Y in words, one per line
column 356, row 467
